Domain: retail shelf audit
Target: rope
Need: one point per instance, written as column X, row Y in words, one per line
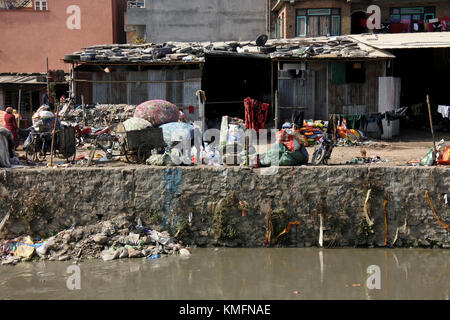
column 385, row 222
column 434, row 212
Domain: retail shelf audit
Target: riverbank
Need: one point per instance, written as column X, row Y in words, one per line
column 238, row 207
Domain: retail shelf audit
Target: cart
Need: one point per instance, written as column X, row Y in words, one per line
column 138, row 145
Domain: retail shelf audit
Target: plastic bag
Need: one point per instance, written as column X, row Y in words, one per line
column 135, row 124
column 444, row 156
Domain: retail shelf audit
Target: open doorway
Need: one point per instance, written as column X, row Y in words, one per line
column 228, row 79
column 359, row 23
column 424, row 72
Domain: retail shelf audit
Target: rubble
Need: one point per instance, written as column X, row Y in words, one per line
column 194, row 52
column 118, row 238
column 102, row 114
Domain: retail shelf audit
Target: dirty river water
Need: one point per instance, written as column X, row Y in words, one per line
column 225, row 273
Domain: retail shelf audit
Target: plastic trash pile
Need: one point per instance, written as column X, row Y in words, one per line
column 109, row 240
column 442, row 156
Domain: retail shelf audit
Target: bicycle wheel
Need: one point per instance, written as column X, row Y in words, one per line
column 143, row 153
column 132, row 157
column 318, row 156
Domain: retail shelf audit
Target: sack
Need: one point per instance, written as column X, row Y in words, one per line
column 157, row 112
column 428, row 159
column 159, row 160
column 136, row 124
column 444, row 156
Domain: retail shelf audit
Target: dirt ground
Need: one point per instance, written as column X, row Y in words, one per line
column 412, row 145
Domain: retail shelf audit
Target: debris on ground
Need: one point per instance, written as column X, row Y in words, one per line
column 117, row 238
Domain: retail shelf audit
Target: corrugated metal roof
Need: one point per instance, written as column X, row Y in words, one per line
column 22, row 79
column 405, row 40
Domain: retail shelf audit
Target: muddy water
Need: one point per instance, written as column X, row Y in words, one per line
column 242, row 274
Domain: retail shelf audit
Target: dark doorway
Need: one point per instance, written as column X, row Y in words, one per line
column 228, row 79
column 359, row 22
column 424, row 72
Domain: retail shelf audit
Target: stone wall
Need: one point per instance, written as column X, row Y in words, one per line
column 236, row 206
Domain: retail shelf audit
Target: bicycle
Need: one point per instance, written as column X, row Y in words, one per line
column 38, row 146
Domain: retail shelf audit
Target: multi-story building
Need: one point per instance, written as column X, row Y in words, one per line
column 32, row 31
column 195, row 20
column 303, row 18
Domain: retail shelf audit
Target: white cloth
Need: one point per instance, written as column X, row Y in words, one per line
column 445, row 111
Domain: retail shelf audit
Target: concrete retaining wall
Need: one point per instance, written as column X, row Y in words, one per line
column 234, row 206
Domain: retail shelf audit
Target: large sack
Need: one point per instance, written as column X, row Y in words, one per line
column 157, row 112
column 177, row 131
column 281, row 154
column 135, row 124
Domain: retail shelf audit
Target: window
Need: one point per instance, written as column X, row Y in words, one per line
column 279, row 28
column 40, row 5
column 318, row 22
column 348, row 72
column 412, row 15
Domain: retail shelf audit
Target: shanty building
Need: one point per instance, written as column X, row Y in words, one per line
column 319, row 76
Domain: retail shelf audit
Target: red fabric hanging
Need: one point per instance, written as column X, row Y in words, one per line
column 255, row 114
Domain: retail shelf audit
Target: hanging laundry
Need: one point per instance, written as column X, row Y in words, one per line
column 445, row 111
column 255, row 114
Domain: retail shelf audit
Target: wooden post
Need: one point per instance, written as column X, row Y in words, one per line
column 431, row 126
column 247, row 142
column 18, row 107
column 84, row 110
column 48, row 84
column 53, row 135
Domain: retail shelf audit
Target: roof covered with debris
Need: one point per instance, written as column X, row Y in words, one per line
column 415, row 40
column 184, row 52
column 23, row 79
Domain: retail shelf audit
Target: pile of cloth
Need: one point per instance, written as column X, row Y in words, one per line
column 289, row 149
column 313, row 131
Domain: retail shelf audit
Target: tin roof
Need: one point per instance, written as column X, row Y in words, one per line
column 415, row 40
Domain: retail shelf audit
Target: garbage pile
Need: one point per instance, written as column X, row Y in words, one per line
column 441, row 157
column 320, row 47
column 102, row 114
column 109, row 240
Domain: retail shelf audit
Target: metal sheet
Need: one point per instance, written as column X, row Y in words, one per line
column 296, row 93
column 406, row 40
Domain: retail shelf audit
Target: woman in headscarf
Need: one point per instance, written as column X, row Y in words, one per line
column 11, row 124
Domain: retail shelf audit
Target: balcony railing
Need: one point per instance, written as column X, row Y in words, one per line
column 136, row 4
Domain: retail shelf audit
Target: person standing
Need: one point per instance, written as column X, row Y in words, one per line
column 11, row 124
